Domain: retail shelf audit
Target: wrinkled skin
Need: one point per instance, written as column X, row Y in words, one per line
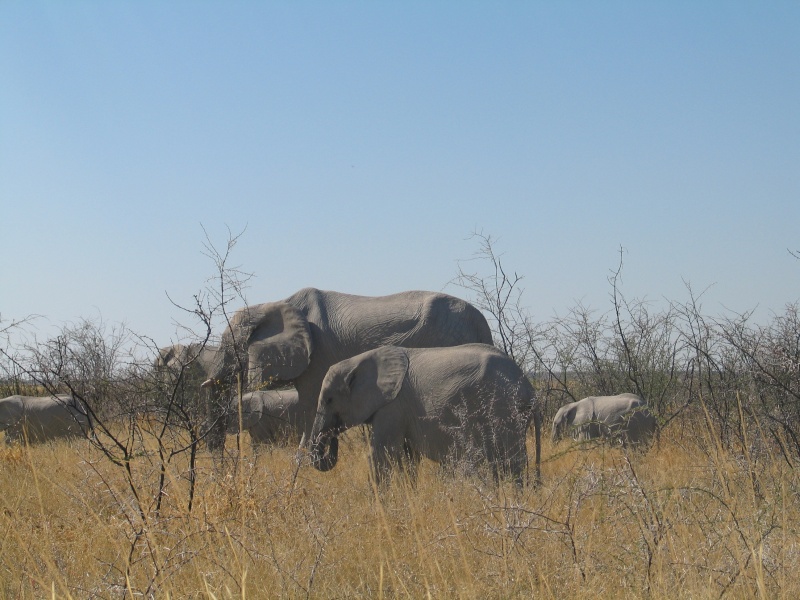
column 269, row 416
column 464, row 404
column 42, row 418
column 295, row 341
column 187, row 366
column 625, row 417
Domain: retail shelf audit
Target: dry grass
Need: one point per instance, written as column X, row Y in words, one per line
column 682, row 520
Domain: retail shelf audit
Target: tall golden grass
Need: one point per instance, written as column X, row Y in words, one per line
column 685, row 519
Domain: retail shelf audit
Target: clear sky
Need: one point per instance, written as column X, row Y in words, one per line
column 359, row 144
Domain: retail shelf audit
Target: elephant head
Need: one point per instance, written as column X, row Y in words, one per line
column 171, row 358
column 182, row 369
column 352, row 391
column 265, row 344
column 11, row 411
column 191, row 362
column 563, row 420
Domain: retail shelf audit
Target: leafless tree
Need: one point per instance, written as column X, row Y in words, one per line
column 680, row 360
column 146, row 424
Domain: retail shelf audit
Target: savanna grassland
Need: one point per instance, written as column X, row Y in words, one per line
column 144, row 510
column 686, row 519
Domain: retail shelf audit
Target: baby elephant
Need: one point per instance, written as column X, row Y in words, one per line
column 461, row 405
column 624, row 416
column 268, row 416
column 40, row 419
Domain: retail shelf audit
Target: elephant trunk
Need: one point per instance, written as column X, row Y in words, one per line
column 321, row 459
column 556, row 435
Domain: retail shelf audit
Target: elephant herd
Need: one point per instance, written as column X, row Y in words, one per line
column 418, row 367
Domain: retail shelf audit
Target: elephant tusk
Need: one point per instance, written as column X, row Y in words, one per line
column 208, row 383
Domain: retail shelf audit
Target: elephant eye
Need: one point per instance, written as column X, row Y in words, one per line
column 328, row 400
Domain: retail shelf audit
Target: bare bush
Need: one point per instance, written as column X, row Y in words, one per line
column 143, row 510
column 680, row 360
column 146, row 422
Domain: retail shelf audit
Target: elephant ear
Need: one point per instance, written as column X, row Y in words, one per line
column 569, row 415
column 383, row 370
column 278, row 342
column 167, row 356
column 172, row 360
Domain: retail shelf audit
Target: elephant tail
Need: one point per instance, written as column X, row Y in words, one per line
column 532, row 409
column 537, row 436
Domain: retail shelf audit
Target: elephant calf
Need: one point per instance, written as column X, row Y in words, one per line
column 465, row 404
column 39, row 419
column 268, row 416
column 624, row 416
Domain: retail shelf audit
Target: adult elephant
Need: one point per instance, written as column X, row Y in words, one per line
column 269, row 416
column 624, row 416
column 296, row 341
column 464, row 404
column 183, row 368
column 42, row 418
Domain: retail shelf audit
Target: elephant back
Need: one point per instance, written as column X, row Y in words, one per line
column 456, row 320
column 440, row 320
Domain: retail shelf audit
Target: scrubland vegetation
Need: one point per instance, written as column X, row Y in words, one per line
column 711, row 510
column 689, row 518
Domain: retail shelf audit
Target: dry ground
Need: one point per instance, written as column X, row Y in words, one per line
column 684, row 520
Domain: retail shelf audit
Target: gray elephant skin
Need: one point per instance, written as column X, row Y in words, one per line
column 295, row 341
column 465, row 404
column 42, row 418
column 269, row 416
column 188, row 366
column 624, row 416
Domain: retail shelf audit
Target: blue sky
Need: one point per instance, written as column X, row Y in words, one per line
column 359, row 144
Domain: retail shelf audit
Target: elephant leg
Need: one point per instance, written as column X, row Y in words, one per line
column 513, row 462
column 380, row 466
column 505, row 461
column 592, row 431
column 387, row 451
column 411, row 460
column 216, row 422
column 493, row 455
column 639, row 428
column 510, row 468
column 518, row 467
column 15, row 434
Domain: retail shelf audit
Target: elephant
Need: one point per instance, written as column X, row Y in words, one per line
column 462, row 405
column 624, row 416
column 268, row 415
column 295, row 341
column 43, row 418
column 186, row 367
